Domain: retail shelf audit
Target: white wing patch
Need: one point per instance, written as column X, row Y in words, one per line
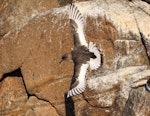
column 94, row 63
column 75, row 15
column 82, row 82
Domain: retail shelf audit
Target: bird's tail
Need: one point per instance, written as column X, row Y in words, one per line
column 94, row 62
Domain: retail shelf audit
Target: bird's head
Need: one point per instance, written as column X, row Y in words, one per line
column 66, row 57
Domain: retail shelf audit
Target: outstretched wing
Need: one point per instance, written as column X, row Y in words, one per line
column 79, row 80
column 77, row 26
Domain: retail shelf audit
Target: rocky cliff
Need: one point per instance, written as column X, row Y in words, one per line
column 34, row 35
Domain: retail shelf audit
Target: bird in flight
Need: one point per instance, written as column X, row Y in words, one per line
column 83, row 55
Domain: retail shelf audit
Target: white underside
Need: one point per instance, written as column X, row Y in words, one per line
column 82, row 82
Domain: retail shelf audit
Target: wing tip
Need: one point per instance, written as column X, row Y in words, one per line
column 74, row 13
column 75, row 91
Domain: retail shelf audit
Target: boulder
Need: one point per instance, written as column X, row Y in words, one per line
column 13, row 96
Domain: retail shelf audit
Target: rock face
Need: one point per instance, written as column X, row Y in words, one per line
column 133, row 108
column 14, row 100
column 13, row 96
column 33, row 38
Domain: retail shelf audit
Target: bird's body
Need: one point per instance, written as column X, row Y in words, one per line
column 83, row 55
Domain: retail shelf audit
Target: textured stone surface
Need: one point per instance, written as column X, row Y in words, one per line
column 138, row 103
column 38, row 107
column 40, row 34
column 13, row 96
column 139, row 11
column 14, row 100
column 17, row 12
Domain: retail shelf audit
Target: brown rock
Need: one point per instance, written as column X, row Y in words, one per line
column 13, row 96
column 1, row 76
column 142, row 9
column 103, row 99
column 131, row 53
column 55, row 92
column 26, row 51
column 84, row 109
column 42, row 65
column 138, row 103
column 81, row 108
column 14, row 100
column 39, row 108
column 17, row 12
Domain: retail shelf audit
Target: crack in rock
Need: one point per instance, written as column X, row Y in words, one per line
column 143, row 40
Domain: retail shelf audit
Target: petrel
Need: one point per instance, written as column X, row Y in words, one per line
column 83, row 55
